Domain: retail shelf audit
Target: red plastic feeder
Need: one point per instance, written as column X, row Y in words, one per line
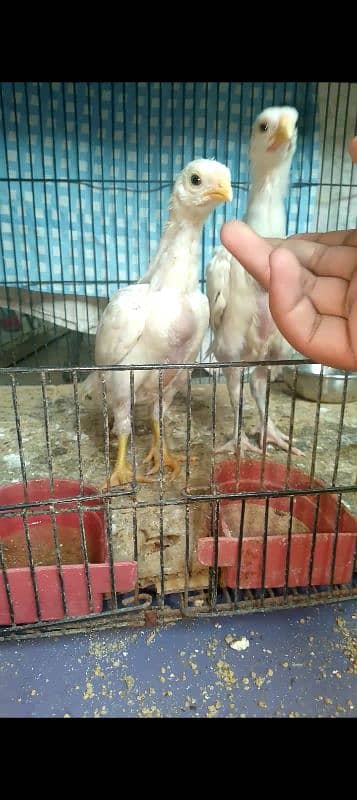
column 301, row 543
column 46, row 571
column 10, row 322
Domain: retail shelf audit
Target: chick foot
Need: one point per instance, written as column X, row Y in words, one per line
column 231, row 446
column 275, row 436
column 168, row 460
column 121, row 475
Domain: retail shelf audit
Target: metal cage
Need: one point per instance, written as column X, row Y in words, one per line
column 86, row 172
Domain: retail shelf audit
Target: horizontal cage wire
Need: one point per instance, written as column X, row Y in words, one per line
column 131, row 516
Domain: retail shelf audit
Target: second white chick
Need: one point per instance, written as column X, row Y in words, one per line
column 242, row 326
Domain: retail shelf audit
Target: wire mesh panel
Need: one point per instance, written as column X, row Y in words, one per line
column 226, row 535
column 86, row 173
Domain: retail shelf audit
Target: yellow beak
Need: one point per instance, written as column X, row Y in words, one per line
column 222, row 191
column 282, row 134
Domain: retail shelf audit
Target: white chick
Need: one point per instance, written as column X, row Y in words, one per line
column 163, row 318
column 240, row 318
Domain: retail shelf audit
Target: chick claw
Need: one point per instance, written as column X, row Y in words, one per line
column 168, row 460
column 231, row 446
column 275, row 436
column 122, row 475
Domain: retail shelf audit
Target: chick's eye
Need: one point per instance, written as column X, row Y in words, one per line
column 195, row 180
column 263, row 127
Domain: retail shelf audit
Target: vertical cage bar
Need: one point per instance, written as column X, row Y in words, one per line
column 213, row 486
column 85, row 556
column 291, row 428
column 81, row 212
column 335, row 541
column 313, row 542
column 115, row 179
column 265, row 545
column 32, row 184
column 161, row 494
column 46, row 204
column 51, row 479
column 213, row 572
column 125, row 162
column 15, row 404
column 238, row 440
column 133, row 454
column 56, row 184
column 134, row 478
column 340, row 429
column 101, row 378
column 70, row 215
column 149, row 172
column 288, row 549
column 323, row 155
column 239, row 553
column 31, row 563
column 92, row 187
column 333, row 155
column 109, row 536
column 47, row 428
column 316, row 428
column 138, row 146
column 311, row 160
column 78, row 427
column 105, row 236
column 265, row 423
column 187, row 479
column 213, row 417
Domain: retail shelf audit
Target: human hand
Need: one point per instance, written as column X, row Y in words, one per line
column 312, row 284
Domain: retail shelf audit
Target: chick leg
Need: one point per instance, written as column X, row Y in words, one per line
column 122, row 472
column 232, row 445
column 258, row 383
column 233, row 379
column 168, row 460
column 173, row 462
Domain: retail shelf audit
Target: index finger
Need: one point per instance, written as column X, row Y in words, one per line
column 249, row 249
